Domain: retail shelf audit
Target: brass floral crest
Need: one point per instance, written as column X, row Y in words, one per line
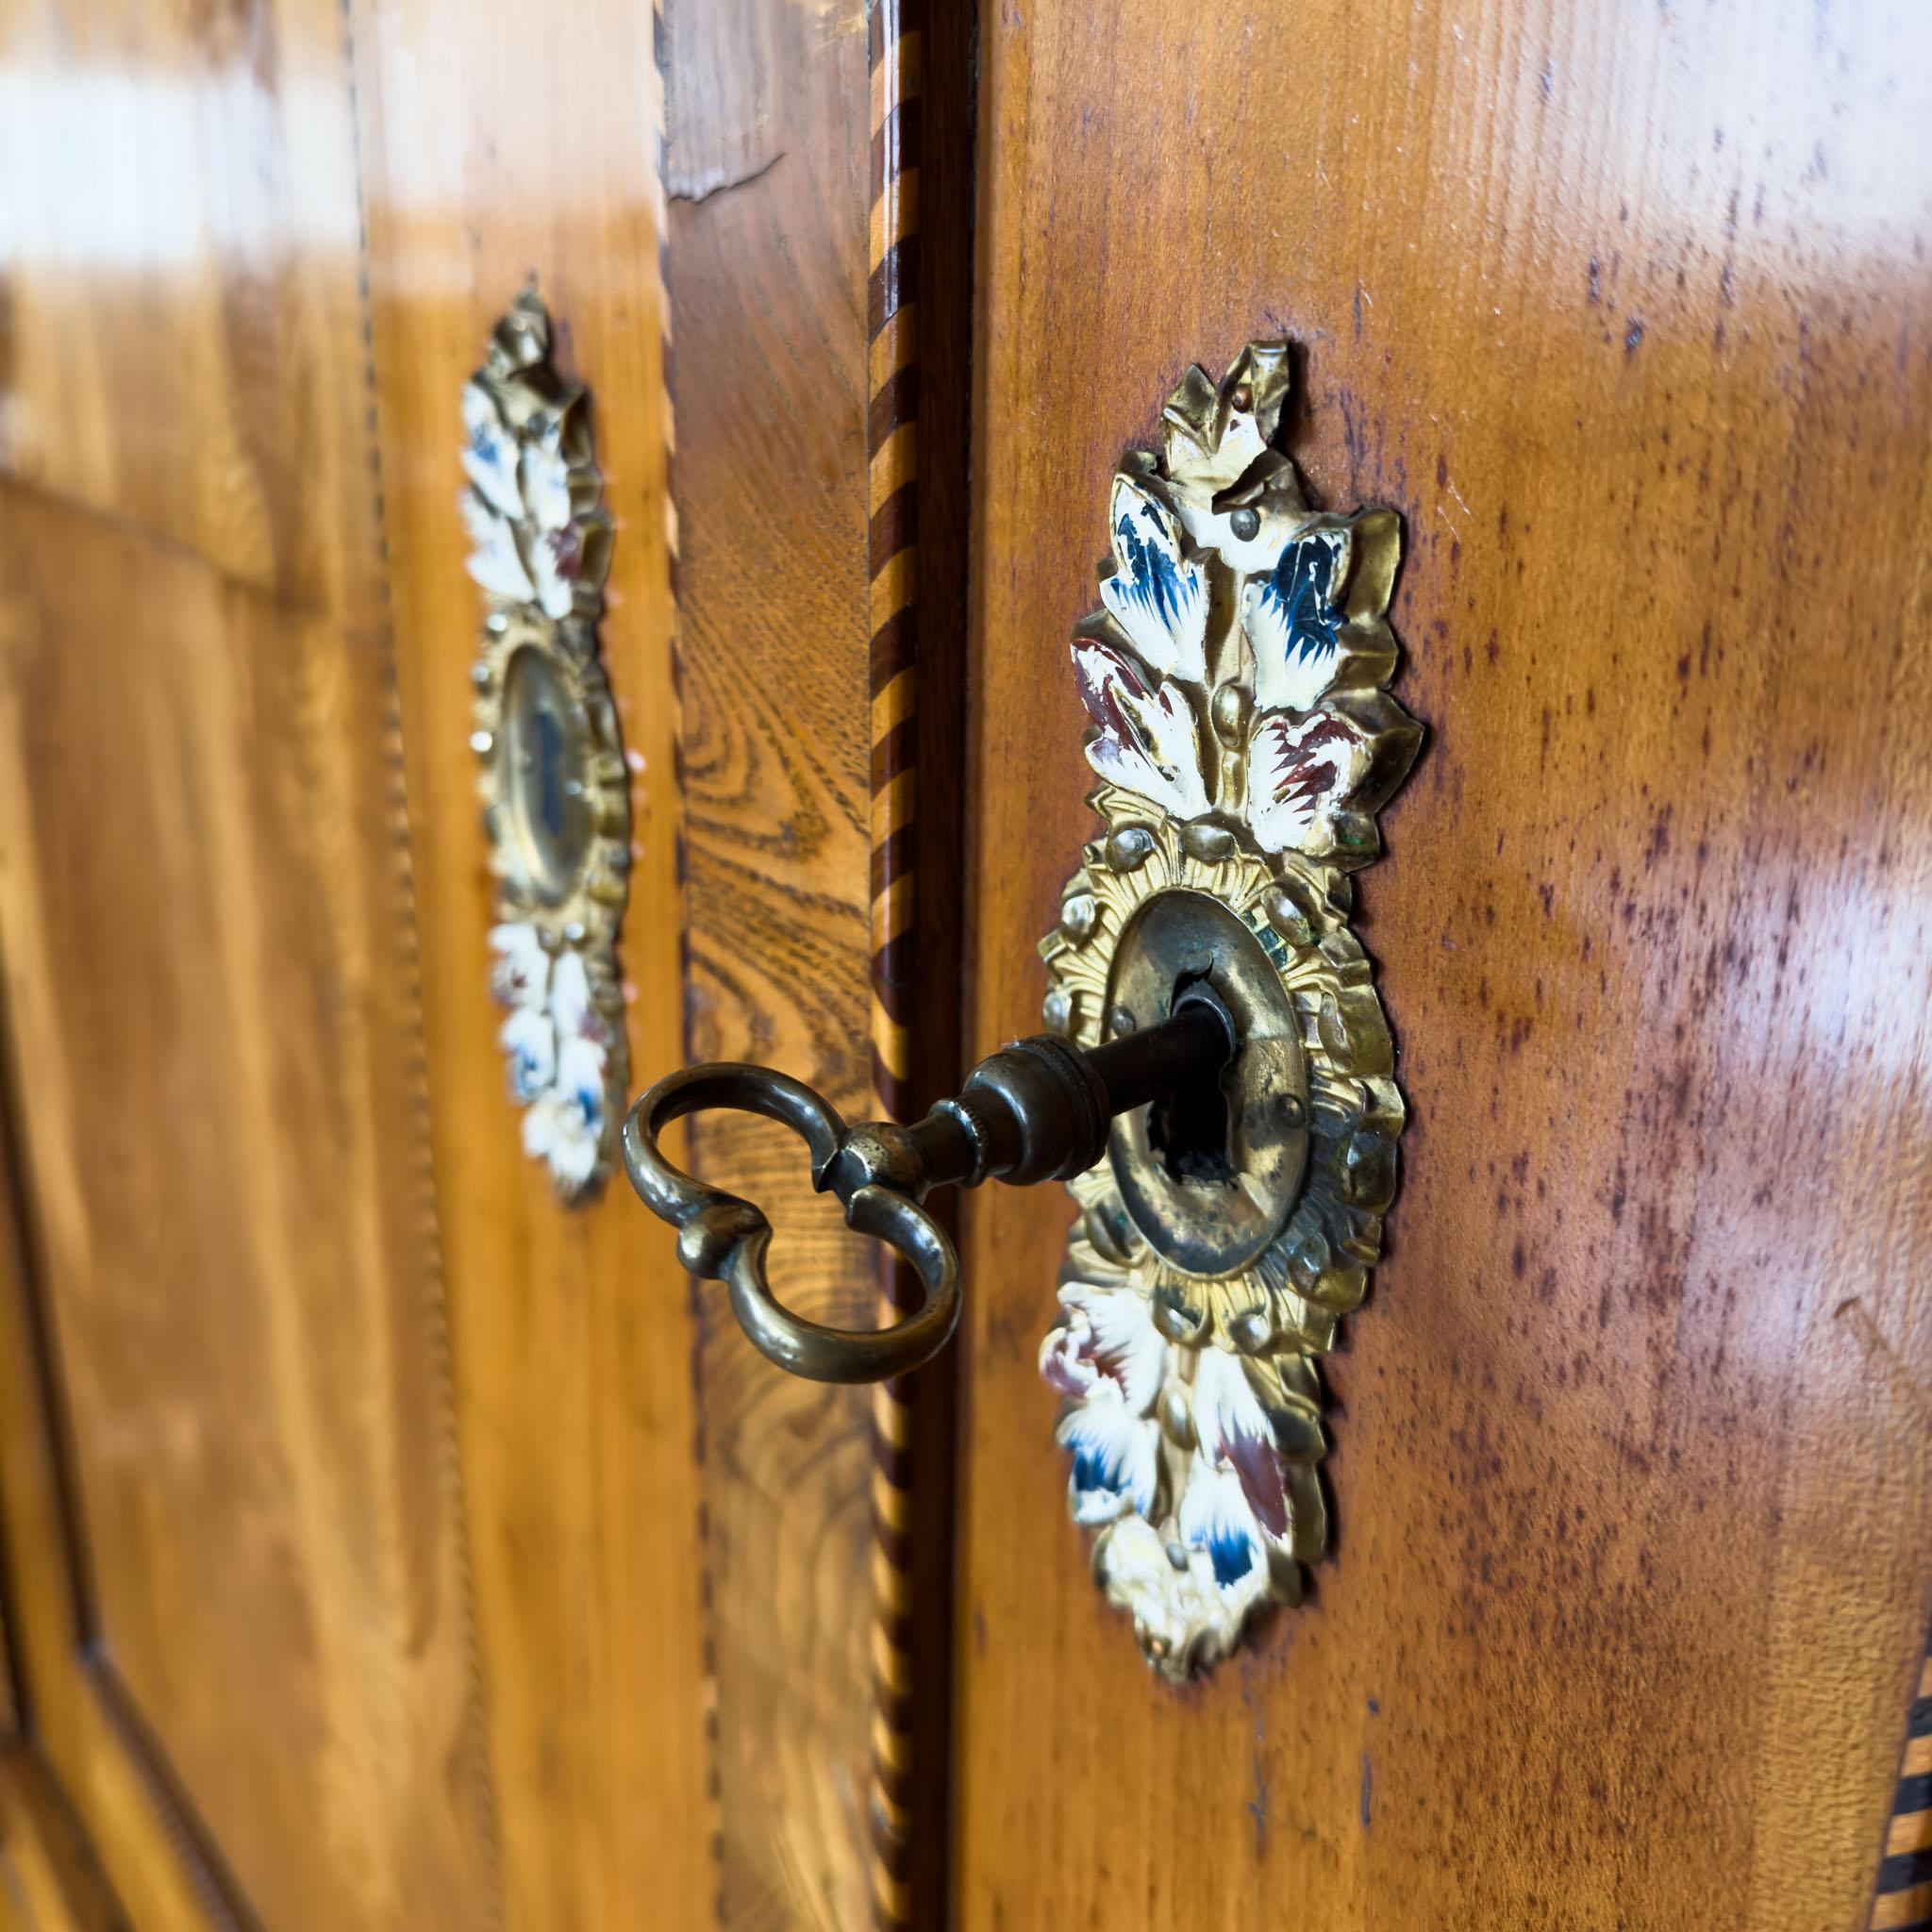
column 554, row 780
column 1243, row 738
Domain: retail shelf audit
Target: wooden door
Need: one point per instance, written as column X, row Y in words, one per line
column 239, row 1595
column 350, row 1523
column 387, row 1542
column 1623, row 309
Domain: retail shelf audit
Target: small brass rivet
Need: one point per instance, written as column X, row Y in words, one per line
column 1242, row 399
column 482, row 743
column 1287, row 919
column 1228, row 707
column 1177, row 1417
column 1172, row 1321
column 1252, row 1331
column 1177, row 1555
column 1057, row 1009
column 1122, row 1020
column 1209, row 843
column 1245, row 523
column 1077, row 914
column 1129, row 848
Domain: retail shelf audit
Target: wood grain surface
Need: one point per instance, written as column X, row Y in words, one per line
column 252, row 1671
column 183, row 315
column 74, row 1732
column 493, row 155
column 49, row 1878
column 1624, row 308
column 767, row 157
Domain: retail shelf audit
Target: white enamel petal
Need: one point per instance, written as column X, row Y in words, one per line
column 570, row 997
column 495, row 562
column 1150, row 741
column 555, row 558
column 520, row 976
column 1235, row 1435
column 1134, row 1558
column 565, row 1125
column 530, row 1041
column 1066, row 1359
column 1157, row 596
column 1294, row 629
column 1298, row 774
column 546, row 482
column 573, row 1156
column 540, row 1127
column 1215, row 1519
column 1116, row 1460
column 1121, row 1340
column 489, row 452
column 1179, row 1617
column 580, row 1067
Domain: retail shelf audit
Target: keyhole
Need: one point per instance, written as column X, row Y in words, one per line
column 547, row 755
column 1188, row 1129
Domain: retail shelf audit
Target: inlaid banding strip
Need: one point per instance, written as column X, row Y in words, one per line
column 660, row 213
column 1903, row 1902
column 893, row 504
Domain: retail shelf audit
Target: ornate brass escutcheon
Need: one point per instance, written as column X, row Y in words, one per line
column 1217, row 1088
column 553, row 778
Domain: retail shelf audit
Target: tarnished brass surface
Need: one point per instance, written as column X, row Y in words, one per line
column 541, row 773
column 1210, row 1181
column 553, row 776
column 1036, row 1110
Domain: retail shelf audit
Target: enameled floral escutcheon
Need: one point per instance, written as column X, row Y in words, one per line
column 554, row 781
column 1243, row 738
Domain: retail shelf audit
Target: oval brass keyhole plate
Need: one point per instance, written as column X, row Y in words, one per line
column 542, row 776
column 1211, row 1208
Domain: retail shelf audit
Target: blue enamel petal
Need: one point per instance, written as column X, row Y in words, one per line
column 1232, row 1555
column 1096, row 1468
column 1215, row 1518
column 1114, row 1460
column 1154, row 579
column 1293, row 627
column 1159, row 597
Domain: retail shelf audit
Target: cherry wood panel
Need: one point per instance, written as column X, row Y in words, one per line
column 493, row 153
column 49, row 1880
column 74, row 1728
column 1624, row 309
column 766, row 166
column 10, row 1668
column 233, row 1524
column 213, row 1034
column 182, row 309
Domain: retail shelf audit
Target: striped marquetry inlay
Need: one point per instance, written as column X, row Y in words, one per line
column 1904, row 1900
column 893, row 442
